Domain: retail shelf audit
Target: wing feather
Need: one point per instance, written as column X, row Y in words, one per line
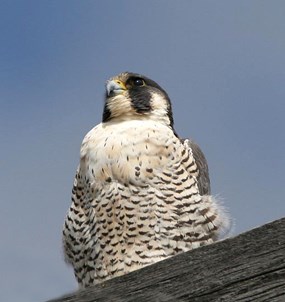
column 76, row 228
column 203, row 178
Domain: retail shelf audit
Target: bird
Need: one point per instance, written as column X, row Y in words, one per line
column 141, row 193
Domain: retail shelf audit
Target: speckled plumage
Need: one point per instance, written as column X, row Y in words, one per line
column 141, row 194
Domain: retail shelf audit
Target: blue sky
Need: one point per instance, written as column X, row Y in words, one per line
column 222, row 64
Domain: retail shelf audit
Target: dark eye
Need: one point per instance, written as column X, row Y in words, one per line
column 138, row 82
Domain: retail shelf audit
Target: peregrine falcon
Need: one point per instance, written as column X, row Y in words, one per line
column 141, row 193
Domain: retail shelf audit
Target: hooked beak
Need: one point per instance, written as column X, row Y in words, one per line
column 115, row 87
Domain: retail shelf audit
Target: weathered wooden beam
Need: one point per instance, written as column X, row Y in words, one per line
column 248, row 267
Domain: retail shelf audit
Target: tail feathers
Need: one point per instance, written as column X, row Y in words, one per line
column 223, row 221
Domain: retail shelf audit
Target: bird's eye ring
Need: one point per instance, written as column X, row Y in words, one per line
column 138, row 82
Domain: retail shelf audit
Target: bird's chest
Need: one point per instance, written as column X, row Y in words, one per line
column 129, row 153
column 138, row 194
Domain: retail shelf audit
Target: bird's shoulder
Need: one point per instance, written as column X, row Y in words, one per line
column 202, row 165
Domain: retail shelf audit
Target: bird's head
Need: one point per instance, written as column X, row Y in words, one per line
column 134, row 96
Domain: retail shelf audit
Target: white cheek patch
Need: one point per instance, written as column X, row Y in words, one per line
column 159, row 107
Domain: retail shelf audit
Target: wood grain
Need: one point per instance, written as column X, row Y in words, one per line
column 248, row 267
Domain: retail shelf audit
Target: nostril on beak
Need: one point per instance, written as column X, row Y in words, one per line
column 110, row 87
column 114, row 87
